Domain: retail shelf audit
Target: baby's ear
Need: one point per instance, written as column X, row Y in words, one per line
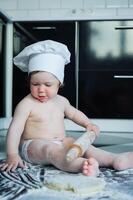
column 61, row 85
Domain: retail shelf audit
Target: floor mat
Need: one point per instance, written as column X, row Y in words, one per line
column 27, row 184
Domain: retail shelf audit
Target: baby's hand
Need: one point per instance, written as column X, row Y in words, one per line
column 94, row 128
column 12, row 162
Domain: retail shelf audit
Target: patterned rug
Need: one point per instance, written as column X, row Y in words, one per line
column 29, row 183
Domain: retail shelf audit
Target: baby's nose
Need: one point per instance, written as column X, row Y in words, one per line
column 41, row 88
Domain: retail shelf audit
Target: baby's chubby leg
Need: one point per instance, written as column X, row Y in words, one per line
column 88, row 167
column 42, row 152
column 39, row 151
column 120, row 161
column 123, row 161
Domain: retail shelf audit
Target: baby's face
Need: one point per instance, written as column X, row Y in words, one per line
column 44, row 86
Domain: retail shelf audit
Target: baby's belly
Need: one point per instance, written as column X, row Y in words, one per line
column 45, row 135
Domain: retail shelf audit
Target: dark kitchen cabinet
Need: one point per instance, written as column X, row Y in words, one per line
column 99, row 78
column 106, row 69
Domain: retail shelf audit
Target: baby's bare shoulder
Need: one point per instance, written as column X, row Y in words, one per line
column 26, row 103
column 62, row 99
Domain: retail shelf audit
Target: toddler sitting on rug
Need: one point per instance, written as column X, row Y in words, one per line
column 37, row 133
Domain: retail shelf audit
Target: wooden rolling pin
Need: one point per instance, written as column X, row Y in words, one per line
column 78, row 148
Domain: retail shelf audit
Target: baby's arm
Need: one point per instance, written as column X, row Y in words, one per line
column 13, row 136
column 82, row 143
column 80, row 118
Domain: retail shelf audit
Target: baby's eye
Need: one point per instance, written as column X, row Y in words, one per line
column 48, row 84
column 35, row 84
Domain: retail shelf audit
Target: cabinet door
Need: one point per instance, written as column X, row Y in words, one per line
column 106, row 94
column 30, row 32
column 106, row 69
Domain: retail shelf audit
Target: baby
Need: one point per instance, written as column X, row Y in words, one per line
column 37, row 133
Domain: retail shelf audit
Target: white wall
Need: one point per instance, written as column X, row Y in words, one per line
column 67, row 9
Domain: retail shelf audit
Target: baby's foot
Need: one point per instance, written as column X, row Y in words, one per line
column 90, row 167
column 123, row 161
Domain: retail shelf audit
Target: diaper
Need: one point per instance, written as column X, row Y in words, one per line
column 23, row 147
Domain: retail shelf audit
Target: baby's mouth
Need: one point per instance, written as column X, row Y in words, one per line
column 42, row 98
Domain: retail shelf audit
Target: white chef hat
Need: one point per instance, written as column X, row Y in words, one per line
column 48, row 55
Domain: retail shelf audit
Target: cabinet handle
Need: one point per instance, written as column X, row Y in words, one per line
column 44, row 28
column 123, row 76
column 123, row 27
